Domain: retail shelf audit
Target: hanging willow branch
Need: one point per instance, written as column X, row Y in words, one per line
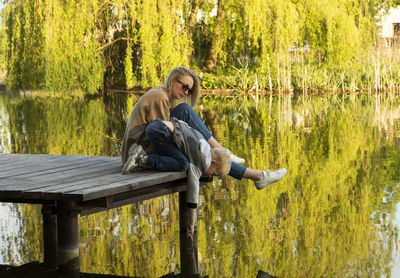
column 114, row 41
column 58, row 44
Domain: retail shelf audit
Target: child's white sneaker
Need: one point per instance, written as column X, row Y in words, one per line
column 132, row 161
column 234, row 158
column 269, row 177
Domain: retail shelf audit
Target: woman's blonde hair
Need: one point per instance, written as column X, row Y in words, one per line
column 179, row 72
column 223, row 161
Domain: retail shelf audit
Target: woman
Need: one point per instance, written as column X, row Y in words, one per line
column 181, row 85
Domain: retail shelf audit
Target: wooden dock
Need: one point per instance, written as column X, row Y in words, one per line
column 70, row 185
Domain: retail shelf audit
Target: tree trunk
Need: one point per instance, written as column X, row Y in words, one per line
column 212, row 56
column 191, row 22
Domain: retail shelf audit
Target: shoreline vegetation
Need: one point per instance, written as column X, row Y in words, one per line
column 215, row 93
column 241, row 47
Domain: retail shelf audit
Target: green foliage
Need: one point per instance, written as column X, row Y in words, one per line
column 51, row 44
column 23, row 43
column 163, row 40
column 73, row 59
column 129, row 77
column 84, row 44
column 334, row 215
column 320, row 220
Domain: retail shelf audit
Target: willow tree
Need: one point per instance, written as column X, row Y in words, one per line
column 144, row 40
column 3, row 43
column 271, row 28
column 163, row 40
column 73, row 56
column 51, row 44
column 215, row 47
column 23, row 46
column 83, row 44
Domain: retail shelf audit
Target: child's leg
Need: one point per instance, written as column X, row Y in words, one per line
column 237, row 171
column 185, row 112
column 261, row 178
column 167, row 156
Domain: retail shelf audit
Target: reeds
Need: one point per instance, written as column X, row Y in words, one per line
column 378, row 70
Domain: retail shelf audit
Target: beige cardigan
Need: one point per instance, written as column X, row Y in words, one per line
column 154, row 104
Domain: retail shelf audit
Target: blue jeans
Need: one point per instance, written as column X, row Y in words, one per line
column 167, row 156
column 186, row 113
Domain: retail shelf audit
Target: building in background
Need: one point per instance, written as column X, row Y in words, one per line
column 390, row 27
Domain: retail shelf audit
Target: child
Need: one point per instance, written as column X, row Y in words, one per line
column 178, row 147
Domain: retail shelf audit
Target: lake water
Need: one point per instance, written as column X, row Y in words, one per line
column 336, row 213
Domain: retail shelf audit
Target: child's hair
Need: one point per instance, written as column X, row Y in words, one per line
column 222, row 161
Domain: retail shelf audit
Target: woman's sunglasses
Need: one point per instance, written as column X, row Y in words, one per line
column 185, row 87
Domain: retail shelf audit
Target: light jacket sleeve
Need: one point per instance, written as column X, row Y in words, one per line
column 196, row 170
column 194, row 173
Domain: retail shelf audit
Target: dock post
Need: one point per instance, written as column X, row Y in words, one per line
column 188, row 245
column 49, row 236
column 68, row 239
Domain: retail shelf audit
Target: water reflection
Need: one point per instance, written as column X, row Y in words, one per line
column 335, row 215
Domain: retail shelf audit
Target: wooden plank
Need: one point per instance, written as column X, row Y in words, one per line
column 131, row 197
column 90, row 183
column 28, row 182
column 66, row 191
column 151, row 192
column 54, row 190
column 24, row 161
column 85, row 177
column 56, row 166
column 15, row 184
column 65, row 181
column 105, row 180
column 4, row 161
column 29, row 157
column 59, row 191
column 15, row 156
column 30, row 189
column 68, row 170
column 135, row 196
column 24, row 158
column 25, row 201
column 27, row 166
column 76, row 182
column 105, row 202
column 44, row 168
column 14, row 191
column 123, row 186
column 5, row 156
